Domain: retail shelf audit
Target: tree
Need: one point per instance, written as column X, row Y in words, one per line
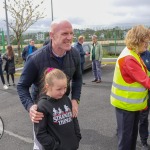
column 24, row 14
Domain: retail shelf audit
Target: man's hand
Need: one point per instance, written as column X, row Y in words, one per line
column 35, row 116
column 74, row 108
column 87, row 53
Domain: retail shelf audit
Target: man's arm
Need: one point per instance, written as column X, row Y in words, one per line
column 35, row 48
column 79, row 49
column 77, row 79
column 76, row 86
column 27, row 78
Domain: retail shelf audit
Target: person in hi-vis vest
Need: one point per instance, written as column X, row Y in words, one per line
column 129, row 93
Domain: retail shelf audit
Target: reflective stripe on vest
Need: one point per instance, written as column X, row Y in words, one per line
column 134, row 89
column 127, row 100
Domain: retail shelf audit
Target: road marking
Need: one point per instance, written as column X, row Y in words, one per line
column 25, row 139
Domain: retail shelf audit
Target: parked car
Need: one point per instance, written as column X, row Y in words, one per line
column 86, row 48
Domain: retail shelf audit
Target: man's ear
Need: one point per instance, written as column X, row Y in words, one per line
column 51, row 35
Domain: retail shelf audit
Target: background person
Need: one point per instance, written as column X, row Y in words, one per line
column 129, row 93
column 96, row 55
column 57, row 54
column 78, row 46
column 144, row 123
column 1, row 74
column 57, row 130
column 28, row 50
column 10, row 64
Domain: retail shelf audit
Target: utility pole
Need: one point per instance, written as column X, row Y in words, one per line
column 8, row 37
column 52, row 9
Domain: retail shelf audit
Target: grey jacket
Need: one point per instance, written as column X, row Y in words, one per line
column 98, row 52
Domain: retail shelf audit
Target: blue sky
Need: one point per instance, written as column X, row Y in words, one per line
column 86, row 13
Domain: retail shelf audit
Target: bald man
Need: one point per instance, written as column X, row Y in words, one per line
column 57, row 54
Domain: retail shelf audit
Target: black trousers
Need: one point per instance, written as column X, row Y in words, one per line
column 82, row 67
column 143, row 126
column 127, row 127
column 12, row 77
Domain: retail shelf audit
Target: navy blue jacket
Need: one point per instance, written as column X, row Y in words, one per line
column 25, row 52
column 146, row 58
column 79, row 48
column 36, row 64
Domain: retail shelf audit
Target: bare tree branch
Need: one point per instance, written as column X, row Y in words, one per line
column 24, row 14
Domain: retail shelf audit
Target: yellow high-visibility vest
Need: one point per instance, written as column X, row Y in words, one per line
column 128, row 96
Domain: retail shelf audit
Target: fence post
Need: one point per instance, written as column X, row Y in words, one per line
column 115, row 36
column 2, row 43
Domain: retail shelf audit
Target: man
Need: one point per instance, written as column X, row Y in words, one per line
column 57, row 54
column 96, row 55
column 28, row 50
column 79, row 48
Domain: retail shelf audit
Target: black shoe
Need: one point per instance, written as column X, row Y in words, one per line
column 8, row 84
column 14, row 84
column 94, row 80
column 145, row 147
column 83, row 83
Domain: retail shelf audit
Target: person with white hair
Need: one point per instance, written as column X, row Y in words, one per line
column 96, row 55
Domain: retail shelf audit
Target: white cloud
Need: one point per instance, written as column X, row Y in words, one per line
column 93, row 12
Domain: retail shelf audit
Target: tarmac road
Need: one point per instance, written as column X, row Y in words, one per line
column 96, row 116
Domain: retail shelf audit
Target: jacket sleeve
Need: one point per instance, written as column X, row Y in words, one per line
column 34, row 49
column 101, row 52
column 79, row 49
column 46, row 140
column 83, row 53
column 77, row 79
column 132, row 71
column 27, row 78
column 77, row 129
column 5, row 57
